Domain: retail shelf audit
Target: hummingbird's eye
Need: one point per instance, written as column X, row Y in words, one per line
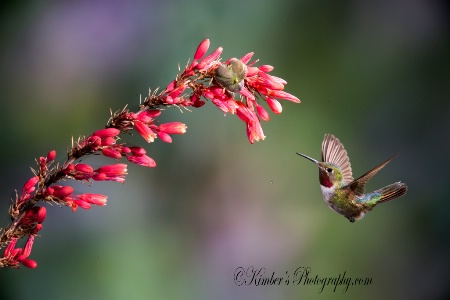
column 329, row 170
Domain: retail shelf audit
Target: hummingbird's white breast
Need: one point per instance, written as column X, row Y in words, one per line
column 327, row 193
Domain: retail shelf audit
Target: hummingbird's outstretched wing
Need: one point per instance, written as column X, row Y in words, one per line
column 358, row 186
column 333, row 151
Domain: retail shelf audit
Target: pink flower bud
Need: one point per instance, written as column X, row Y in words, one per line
column 201, row 49
column 49, row 191
column 252, row 71
column 82, row 204
column 37, row 228
column 168, row 100
column 100, row 177
column 29, row 263
column 138, row 151
column 274, row 105
column 110, row 152
column 125, row 150
column 146, row 116
column 142, row 160
column 171, row 86
column 62, row 191
column 108, row 141
column 246, row 58
column 31, row 183
column 51, row 155
column 210, row 58
column 10, row 247
column 265, row 68
column 113, row 170
column 41, row 214
column 262, row 113
column 108, row 132
column 177, row 91
column 84, row 168
column 164, row 137
column 94, row 141
column 28, row 246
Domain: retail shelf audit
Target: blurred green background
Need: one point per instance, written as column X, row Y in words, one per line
column 374, row 73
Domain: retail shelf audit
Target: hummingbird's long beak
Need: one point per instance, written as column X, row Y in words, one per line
column 307, row 157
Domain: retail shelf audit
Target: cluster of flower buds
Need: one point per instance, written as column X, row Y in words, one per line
column 235, row 86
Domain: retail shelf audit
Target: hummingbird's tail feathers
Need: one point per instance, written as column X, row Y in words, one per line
column 392, row 191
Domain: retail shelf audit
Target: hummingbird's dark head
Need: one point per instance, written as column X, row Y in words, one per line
column 329, row 174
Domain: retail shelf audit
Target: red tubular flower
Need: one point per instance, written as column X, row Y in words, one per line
column 283, row 95
column 173, row 128
column 115, row 172
column 96, row 199
column 144, row 131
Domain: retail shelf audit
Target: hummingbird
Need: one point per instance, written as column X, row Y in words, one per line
column 341, row 192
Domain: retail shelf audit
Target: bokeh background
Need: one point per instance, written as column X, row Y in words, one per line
column 374, row 73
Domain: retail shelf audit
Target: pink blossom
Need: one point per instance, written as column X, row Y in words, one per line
column 146, row 116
